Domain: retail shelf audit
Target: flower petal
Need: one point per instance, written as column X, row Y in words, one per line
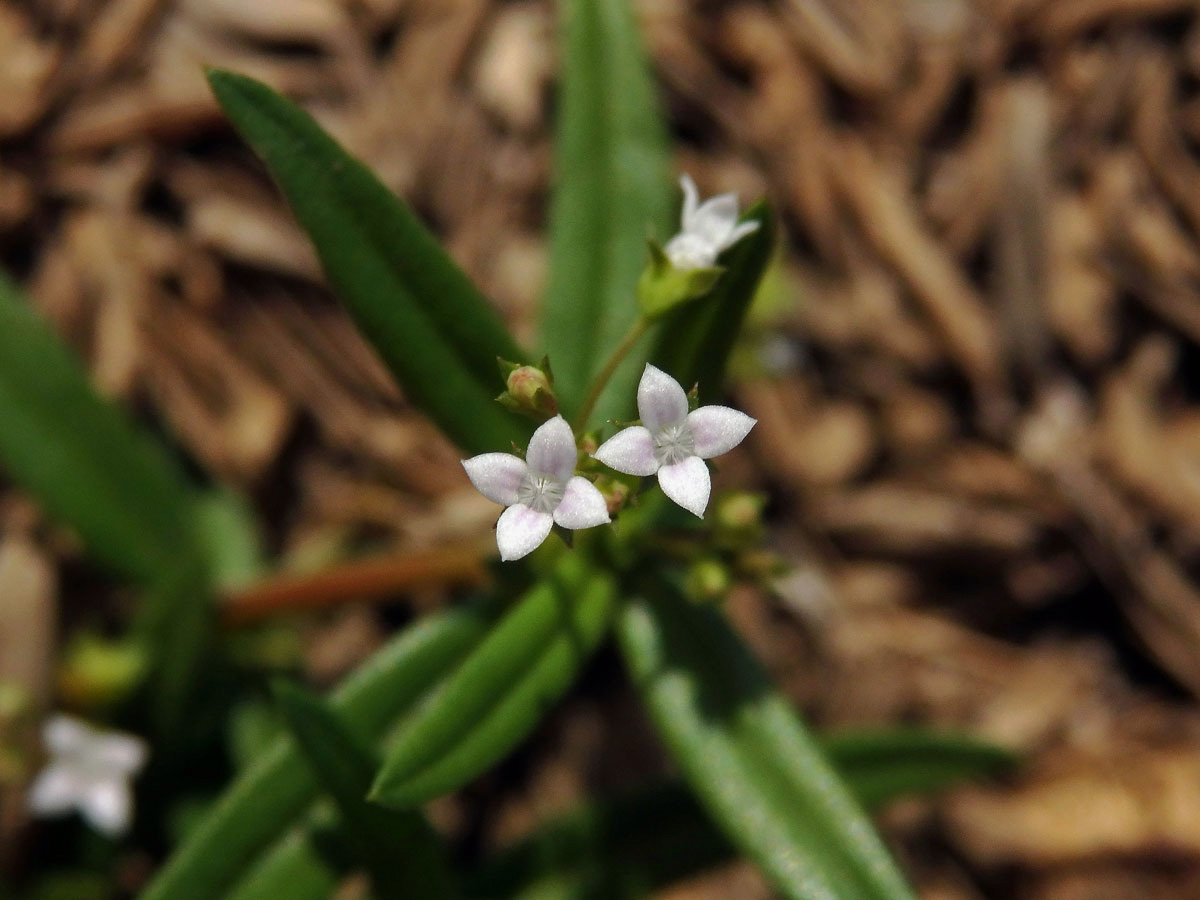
column 630, row 450
column 718, row 429
column 660, row 399
column 691, row 200
column 688, row 251
column 552, row 449
column 521, row 530
column 687, row 483
column 122, row 754
column 715, row 219
column 496, row 475
column 56, row 790
column 738, row 233
column 107, row 805
column 66, row 735
column 582, row 506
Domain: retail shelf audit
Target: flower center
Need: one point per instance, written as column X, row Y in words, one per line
column 673, row 443
column 541, row 493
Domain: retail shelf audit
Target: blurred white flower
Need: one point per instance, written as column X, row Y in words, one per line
column 708, row 228
column 673, row 442
column 539, row 490
column 88, row 771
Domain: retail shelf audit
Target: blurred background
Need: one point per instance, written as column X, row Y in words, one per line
column 974, row 366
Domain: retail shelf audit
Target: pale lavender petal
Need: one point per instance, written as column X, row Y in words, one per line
column 630, row 450
column 107, row 806
column 66, row 735
column 582, row 506
column 715, row 218
column 691, row 200
column 718, row 429
column 552, row 449
column 120, row 753
column 521, row 530
column 496, row 475
column 738, row 233
column 687, row 483
column 57, row 789
column 660, row 399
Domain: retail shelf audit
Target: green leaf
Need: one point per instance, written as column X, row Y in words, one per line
column 881, row 765
column 750, row 761
column 660, row 834
column 613, row 186
column 429, row 324
column 696, row 340
column 399, row 849
column 292, row 869
column 267, row 799
column 84, row 461
column 502, row 689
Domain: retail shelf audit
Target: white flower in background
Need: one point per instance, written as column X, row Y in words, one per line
column 89, row 771
column 540, row 490
column 708, row 229
column 674, row 442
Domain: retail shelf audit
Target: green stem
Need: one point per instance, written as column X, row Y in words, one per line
column 601, row 380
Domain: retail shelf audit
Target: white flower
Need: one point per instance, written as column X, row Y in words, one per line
column 708, row 228
column 674, row 442
column 89, row 771
column 539, row 490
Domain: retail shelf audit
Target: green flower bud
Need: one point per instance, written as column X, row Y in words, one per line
column 97, row 673
column 707, row 581
column 737, row 518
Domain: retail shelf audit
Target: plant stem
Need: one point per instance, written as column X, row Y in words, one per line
column 601, row 380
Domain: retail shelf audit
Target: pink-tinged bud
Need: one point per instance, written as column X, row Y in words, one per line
column 530, row 391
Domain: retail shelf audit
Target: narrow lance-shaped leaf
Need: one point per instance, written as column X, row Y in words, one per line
column 696, row 339
column 502, row 690
column 612, row 187
column 748, row 758
column 83, row 459
column 423, row 316
column 293, row 869
column 660, row 834
column 270, row 796
column 401, row 852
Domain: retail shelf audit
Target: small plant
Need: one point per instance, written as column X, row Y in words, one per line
column 625, row 330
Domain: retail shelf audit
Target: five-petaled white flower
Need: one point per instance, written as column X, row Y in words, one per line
column 708, row 228
column 89, row 770
column 540, row 490
column 674, row 442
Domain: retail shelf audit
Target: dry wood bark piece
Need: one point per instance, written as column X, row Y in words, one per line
column 116, row 35
column 811, row 441
column 1021, row 236
column 1133, row 438
column 858, row 43
column 227, row 414
column 1131, row 800
column 890, row 221
column 1158, row 599
column 26, row 74
column 910, row 520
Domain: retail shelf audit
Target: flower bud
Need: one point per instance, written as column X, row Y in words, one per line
column 97, row 673
column 707, row 581
column 529, row 390
column 737, row 518
column 663, row 286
